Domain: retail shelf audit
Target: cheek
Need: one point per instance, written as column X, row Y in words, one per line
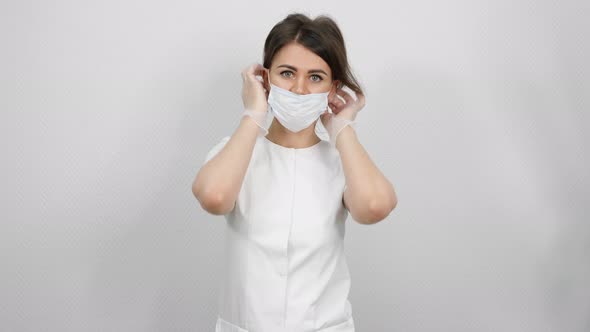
column 322, row 87
column 281, row 82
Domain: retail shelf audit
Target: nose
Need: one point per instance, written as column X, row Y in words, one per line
column 299, row 86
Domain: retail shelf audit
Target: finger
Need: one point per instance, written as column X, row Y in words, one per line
column 347, row 97
column 259, row 69
column 332, row 107
column 335, row 98
column 253, row 69
column 361, row 96
column 337, row 102
column 361, row 99
column 247, row 69
column 335, row 109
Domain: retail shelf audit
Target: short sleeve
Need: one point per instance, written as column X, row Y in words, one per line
column 216, row 148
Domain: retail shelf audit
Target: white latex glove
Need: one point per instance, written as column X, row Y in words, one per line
column 343, row 113
column 260, row 119
column 254, row 96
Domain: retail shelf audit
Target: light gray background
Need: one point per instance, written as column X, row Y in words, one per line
column 476, row 111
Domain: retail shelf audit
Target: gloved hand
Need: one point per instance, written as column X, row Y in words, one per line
column 254, row 96
column 343, row 113
column 260, row 119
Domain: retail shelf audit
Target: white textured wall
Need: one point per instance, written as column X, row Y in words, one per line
column 478, row 112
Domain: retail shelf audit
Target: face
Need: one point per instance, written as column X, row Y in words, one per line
column 299, row 70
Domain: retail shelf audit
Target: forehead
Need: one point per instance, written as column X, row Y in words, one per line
column 300, row 57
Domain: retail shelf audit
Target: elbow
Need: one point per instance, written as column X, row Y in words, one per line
column 213, row 201
column 378, row 210
column 216, row 205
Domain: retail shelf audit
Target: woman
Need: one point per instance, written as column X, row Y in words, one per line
column 285, row 193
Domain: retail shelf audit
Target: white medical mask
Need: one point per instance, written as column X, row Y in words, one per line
column 294, row 111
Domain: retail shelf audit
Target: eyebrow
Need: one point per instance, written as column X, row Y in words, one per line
column 309, row 71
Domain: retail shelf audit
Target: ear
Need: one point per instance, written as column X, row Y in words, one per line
column 266, row 79
column 335, row 85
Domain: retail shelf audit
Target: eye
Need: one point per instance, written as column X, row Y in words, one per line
column 319, row 78
column 283, row 73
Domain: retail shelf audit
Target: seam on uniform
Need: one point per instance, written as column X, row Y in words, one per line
column 289, row 236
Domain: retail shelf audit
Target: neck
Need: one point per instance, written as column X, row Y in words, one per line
column 282, row 136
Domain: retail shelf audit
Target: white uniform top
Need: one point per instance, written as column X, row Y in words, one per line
column 284, row 267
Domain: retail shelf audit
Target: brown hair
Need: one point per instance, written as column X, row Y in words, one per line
column 321, row 36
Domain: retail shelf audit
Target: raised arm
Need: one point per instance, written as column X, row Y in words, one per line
column 369, row 196
column 219, row 180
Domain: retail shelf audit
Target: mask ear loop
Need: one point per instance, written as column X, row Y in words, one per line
column 269, row 112
column 320, row 130
column 328, row 108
